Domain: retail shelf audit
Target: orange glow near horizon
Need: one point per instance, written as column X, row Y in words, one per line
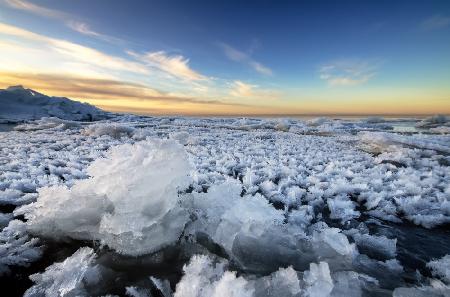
column 124, row 97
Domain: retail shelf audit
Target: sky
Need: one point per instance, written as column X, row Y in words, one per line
column 232, row 57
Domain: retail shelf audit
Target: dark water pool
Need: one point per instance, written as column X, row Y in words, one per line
column 7, row 127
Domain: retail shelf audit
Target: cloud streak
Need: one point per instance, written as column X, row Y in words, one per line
column 245, row 90
column 35, row 9
column 435, row 22
column 348, row 72
column 101, row 89
column 85, row 29
column 67, row 19
column 175, row 65
column 241, row 57
column 24, row 50
column 241, row 89
column 63, row 51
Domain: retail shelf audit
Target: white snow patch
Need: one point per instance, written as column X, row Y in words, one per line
column 342, row 208
column 335, row 239
column 317, row 122
column 378, row 142
column 441, row 129
column 137, row 292
column 111, row 129
column 434, row 121
column 202, row 278
column 441, row 268
column 17, row 248
column 67, row 278
column 182, row 137
column 318, row 280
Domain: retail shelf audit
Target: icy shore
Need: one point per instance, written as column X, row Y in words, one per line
column 180, row 207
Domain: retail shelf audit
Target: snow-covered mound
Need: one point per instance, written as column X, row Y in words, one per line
column 47, row 123
column 19, row 104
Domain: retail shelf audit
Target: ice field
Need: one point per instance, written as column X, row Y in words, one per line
column 178, row 206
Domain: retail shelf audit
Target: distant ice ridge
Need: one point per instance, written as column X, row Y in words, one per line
column 130, row 203
column 20, row 104
column 48, row 123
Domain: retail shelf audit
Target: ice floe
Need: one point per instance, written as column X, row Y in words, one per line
column 130, row 202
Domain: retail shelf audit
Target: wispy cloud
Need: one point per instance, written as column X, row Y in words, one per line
column 175, row 65
column 241, row 89
column 260, row 68
column 26, row 51
column 242, row 57
column 85, row 29
column 348, row 72
column 435, row 22
column 233, row 54
column 66, row 18
column 56, row 52
column 244, row 90
column 82, row 28
column 78, row 86
column 34, row 8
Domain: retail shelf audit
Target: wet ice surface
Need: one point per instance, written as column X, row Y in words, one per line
column 142, row 206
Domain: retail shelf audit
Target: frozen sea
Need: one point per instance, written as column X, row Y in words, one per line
column 179, row 206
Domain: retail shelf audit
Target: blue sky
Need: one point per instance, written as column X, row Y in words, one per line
column 234, row 56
